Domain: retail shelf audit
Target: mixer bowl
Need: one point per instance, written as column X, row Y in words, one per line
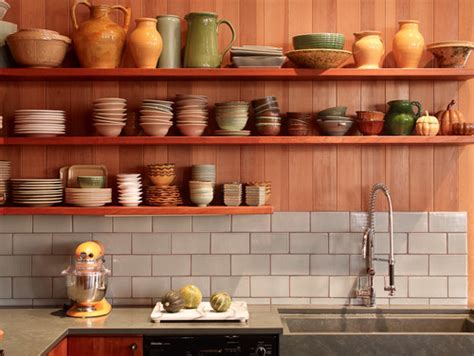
column 86, row 288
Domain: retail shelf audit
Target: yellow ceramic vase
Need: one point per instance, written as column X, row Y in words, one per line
column 408, row 45
column 368, row 49
column 146, row 43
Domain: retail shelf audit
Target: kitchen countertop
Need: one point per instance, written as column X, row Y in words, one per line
column 37, row 331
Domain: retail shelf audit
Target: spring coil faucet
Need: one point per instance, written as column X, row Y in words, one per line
column 368, row 294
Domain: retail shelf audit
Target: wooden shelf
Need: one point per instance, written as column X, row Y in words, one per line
column 248, row 140
column 141, row 210
column 80, row 74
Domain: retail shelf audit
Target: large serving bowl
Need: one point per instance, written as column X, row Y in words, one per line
column 319, row 58
column 38, row 48
column 453, row 54
column 335, row 127
column 319, row 40
column 86, row 288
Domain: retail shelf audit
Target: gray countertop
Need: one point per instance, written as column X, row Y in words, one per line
column 37, row 331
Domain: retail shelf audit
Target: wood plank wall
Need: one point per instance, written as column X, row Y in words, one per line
column 304, row 177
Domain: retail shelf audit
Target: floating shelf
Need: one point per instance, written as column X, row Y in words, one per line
column 141, row 210
column 248, row 140
column 80, row 74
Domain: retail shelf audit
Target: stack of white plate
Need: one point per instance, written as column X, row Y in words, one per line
column 191, row 114
column 88, row 197
column 37, row 192
column 5, row 174
column 130, row 189
column 156, row 116
column 254, row 195
column 109, row 116
column 40, row 123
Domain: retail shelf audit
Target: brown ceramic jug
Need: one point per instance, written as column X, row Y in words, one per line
column 99, row 41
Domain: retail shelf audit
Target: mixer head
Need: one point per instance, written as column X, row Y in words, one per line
column 90, row 250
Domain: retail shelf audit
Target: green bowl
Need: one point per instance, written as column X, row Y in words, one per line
column 319, row 40
column 334, row 111
column 91, row 181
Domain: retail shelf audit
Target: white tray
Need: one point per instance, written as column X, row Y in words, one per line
column 238, row 311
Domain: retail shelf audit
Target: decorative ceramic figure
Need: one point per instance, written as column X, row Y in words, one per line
column 145, row 43
column 99, row 41
column 368, row 49
column 408, row 45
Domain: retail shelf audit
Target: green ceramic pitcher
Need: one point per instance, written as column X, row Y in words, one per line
column 201, row 40
column 400, row 118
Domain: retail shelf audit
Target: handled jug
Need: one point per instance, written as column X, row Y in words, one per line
column 201, row 40
column 400, row 118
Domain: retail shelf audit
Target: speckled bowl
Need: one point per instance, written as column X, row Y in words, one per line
column 452, row 54
column 319, row 58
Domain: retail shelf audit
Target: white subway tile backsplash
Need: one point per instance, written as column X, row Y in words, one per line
column 52, row 223
column 119, row 287
column 410, row 301
column 212, row 223
column 250, row 265
column 251, row 223
column 330, row 222
column 232, row 242
column 172, row 265
column 151, row 243
column 28, row 287
column 133, row 224
column 5, row 287
column 452, row 265
column 204, row 284
column 16, row 223
column 290, row 301
column 198, row 242
column 410, row 222
column 427, row 287
column 13, row 266
column 59, row 287
column 309, row 242
column 210, row 265
column 150, row 287
column 330, row 301
column 360, row 222
column 16, row 302
column 457, row 287
column 345, row 243
column 290, row 222
column 115, row 243
column 450, row 301
column 172, row 223
column 256, row 301
column 129, row 265
column 430, row 243
column 457, row 243
column 65, row 244
column 269, row 286
column 382, row 243
column 330, row 265
column 32, row 244
column 411, row 265
column 6, row 244
column 270, row 242
column 309, row 286
column 448, row 221
column 342, row 287
column 132, row 302
column 43, row 265
column 90, row 223
column 290, row 264
column 235, row 286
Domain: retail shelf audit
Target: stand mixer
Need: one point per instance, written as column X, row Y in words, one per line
column 86, row 282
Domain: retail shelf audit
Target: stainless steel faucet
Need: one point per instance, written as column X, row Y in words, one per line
column 368, row 293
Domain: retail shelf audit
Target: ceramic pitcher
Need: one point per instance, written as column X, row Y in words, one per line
column 169, row 27
column 145, row 43
column 201, row 41
column 368, row 49
column 408, row 45
column 400, row 118
column 99, row 41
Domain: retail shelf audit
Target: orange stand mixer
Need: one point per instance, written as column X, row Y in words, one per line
column 86, row 282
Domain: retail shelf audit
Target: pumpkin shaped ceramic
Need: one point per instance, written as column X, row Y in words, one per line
column 449, row 117
column 427, row 125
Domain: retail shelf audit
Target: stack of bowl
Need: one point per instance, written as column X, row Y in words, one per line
column 231, row 117
column 267, row 116
column 88, row 197
column 201, row 193
column 254, row 195
column 156, row 116
column 370, row 122
column 129, row 189
column 191, row 114
column 233, row 194
column 5, row 175
column 299, row 123
column 252, row 56
column 163, row 196
column 161, row 175
column 109, row 116
column 334, row 122
column 267, row 186
column 204, row 172
column 40, row 123
column 37, row 192
column 319, row 50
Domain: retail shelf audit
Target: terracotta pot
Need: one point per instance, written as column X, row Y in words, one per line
column 99, row 41
column 368, row 49
column 408, row 45
column 146, row 43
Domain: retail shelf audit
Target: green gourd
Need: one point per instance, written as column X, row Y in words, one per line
column 172, row 302
column 192, row 296
column 221, row 301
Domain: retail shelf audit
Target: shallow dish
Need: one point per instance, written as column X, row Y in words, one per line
column 319, row 58
column 453, row 54
column 258, row 61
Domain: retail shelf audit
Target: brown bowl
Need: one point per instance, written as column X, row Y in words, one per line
column 370, row 115
column 191, row 129
column 298, row 131
column 464, row 128
column 370, row 127
column 269, row 130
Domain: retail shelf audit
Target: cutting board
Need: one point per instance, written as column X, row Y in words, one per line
column 238, row 311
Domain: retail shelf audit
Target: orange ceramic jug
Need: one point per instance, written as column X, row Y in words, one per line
column 99, row 41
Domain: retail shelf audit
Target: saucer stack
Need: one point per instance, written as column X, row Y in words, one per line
column 254, row 195
column 40, row 123
column 88, row 197
column 267, row 116
column 204, row 173
column 231, row 118
column 129, row 189
column 191, row 114
column 156, row 117
column 268, row 189
column 5, row 175
column 37, row 192
column 233, row 194
column 163, row 196
column 109, row 116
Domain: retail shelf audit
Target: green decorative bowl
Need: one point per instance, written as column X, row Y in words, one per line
column 91, row 181
column 319, row 40
column 334, row 111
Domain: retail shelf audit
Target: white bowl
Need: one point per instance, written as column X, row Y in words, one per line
column 4, row 7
